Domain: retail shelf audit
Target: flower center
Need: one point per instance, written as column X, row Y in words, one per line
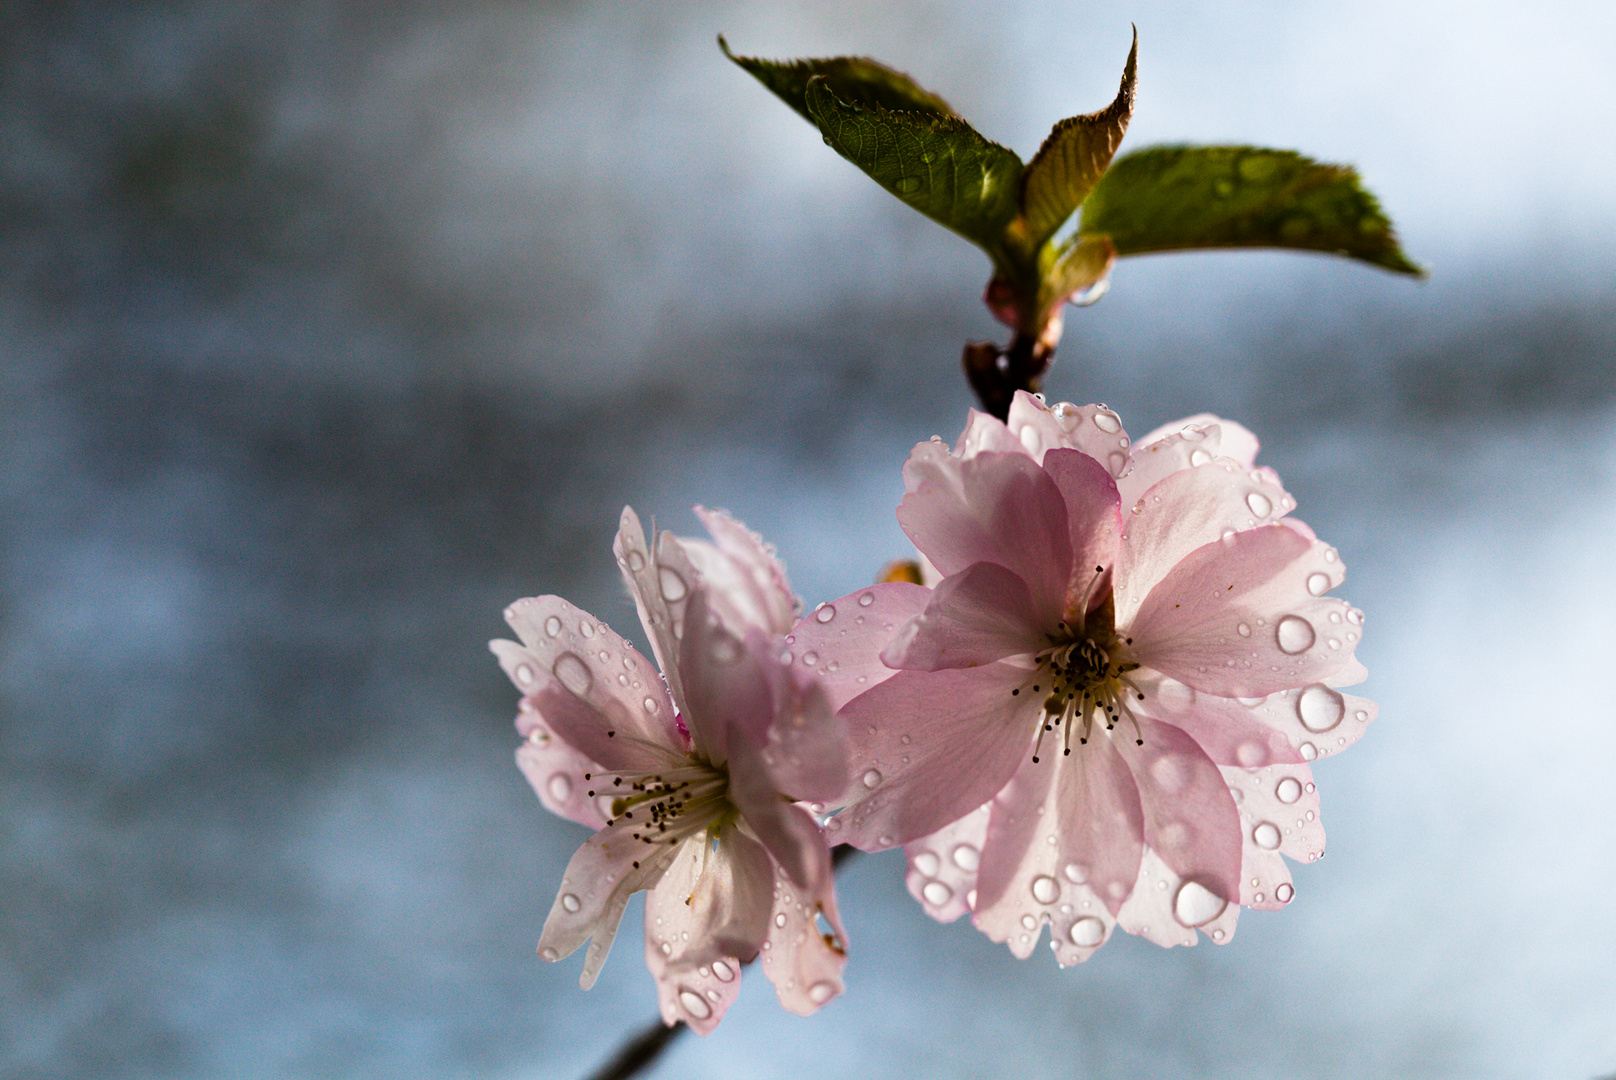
column 661, row 809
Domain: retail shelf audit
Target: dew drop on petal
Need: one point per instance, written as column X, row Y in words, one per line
column 524, row 673
column 810, row 658
column 866, row 599
column 1288, row 790
column 1284, row 893
column 780, row 919
column 559, row 786
column 1029, row 923
column 936, row 893
column 695, row 1005
column 571, row 903
column 825, row 613
column 636, row 561
column 1118, row 461
column 571, row 671
column 1320, row 708
column 1259, row 504
column 1308, row 751
column 1075, row 873
column 722, row 971
column 1293, row 634
column 586, row 628
column 871, row 777
column 927, row 864
column 1086, row 932
column 966, row 857
column 1266, row 836
column 1243, row 629
column 1318, row 584
column 1196, row 905
column 1045, row 889
column 1107, row 422
column 673, row 586
column 549, row 954
column 552, row 625
column 1199, row 457
column 821, row 992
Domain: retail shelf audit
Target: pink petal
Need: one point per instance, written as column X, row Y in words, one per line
column 928, row 747
column 600, row 878
column 1188, row 509
column 746, row 582
column 559, row 774
column 711, row 908
column 1248, row 733
column 806, row 753
column 1060, row 833
column 998, row 508
column 1229, row 439
column 984, row 432
column 1190, row 817
column 1093, row 521
column 1166, row 909
column 1093, row 429
column 584, row 681
column 728, row 682
column 943, row 866
column 792, row 838
column 660, row 582
column 1279, row 816
column 981, row 614
column 1245, row 616
column 804, row 963
column 842, row 641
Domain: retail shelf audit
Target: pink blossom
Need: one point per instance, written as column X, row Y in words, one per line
column 691, row 780
column 1103, row 714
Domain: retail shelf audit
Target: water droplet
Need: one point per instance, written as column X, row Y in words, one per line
column 1288, row 790
column 1284, row 893
column 586, row 628
column 1196, row 905
column 871, row 777
column 722, row 971
column 936, row 893
column 1045, row 889
column 552, row 625
column 1199, row 457
column 1029, row 923
column 1118, row 463
column 524, row 673
column 866, row 599
column 1107, row 422
column 1294, row 634
column 780, row 919
column 571, row 903
column 650, row 705
column 1266, row 836
column 636, row 561
column 1318, row 584
column 1075, row 873
column 821, row 992
column 1308, row 751
column 673, row 586
column 1361, row 716
column 810, row 658
column 825, row 613
column 906, row 185
column 695, row 1005
column 927, row 864
column 571, row 671
column 966, row 857
column 560, row 786
column 549, row 954
column 1243, row 629
column 1259, row 504
column 1086, row 932
column 1320, row 708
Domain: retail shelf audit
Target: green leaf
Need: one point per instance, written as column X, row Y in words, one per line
column 937, row 164
column 855, row 79
column 1172, row 198
column 1072, row 159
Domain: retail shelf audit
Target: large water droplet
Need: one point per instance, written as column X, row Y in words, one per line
column 1284, row 893
column 560, row 787
column 1318, row 584
column 1320, row 708
column 571, row 671
column 1045, row 889
column 524, row 673
column 1288, row 790
column 1243, row 629
column 552, row 625
column 1294, row 634
column 636, row 561
column 927, row 864
column 1308, row 751
column 673, row 586
column 1118, row 462
column 966, row 857
column 1075, row 873
column 1107, row 422
column 1199, row 457
column 1029, row 923
column 1259, row 504
column 571, row 903
column 722, row 971
column 866, row 599
column 936, row 893
column 871, row 777
column 1196, row 905
column 780, row 919
column 821, row 992
column 586, row 629
column 825, row 613
column 1086, row 932
column 695, row 1004
column 1266, row 836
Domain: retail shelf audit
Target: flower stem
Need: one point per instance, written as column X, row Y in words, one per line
column 997, row 373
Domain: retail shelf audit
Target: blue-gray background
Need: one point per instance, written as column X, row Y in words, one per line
column 330, row 329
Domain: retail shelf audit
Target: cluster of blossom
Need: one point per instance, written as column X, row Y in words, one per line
column 1097, row 711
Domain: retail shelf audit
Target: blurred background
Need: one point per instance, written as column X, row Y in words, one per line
column 330, row 329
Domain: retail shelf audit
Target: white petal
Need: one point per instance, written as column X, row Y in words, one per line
column 600, row 878
column 660, row 578
column 1093, row 429
column 943, row 866
column 803, row 962
column 746, row 581
column 1166, row 909
column 559, row 774
column 1279, row 815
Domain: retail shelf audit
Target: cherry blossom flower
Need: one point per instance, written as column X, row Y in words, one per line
column 1104, row 712
column 691, row 780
